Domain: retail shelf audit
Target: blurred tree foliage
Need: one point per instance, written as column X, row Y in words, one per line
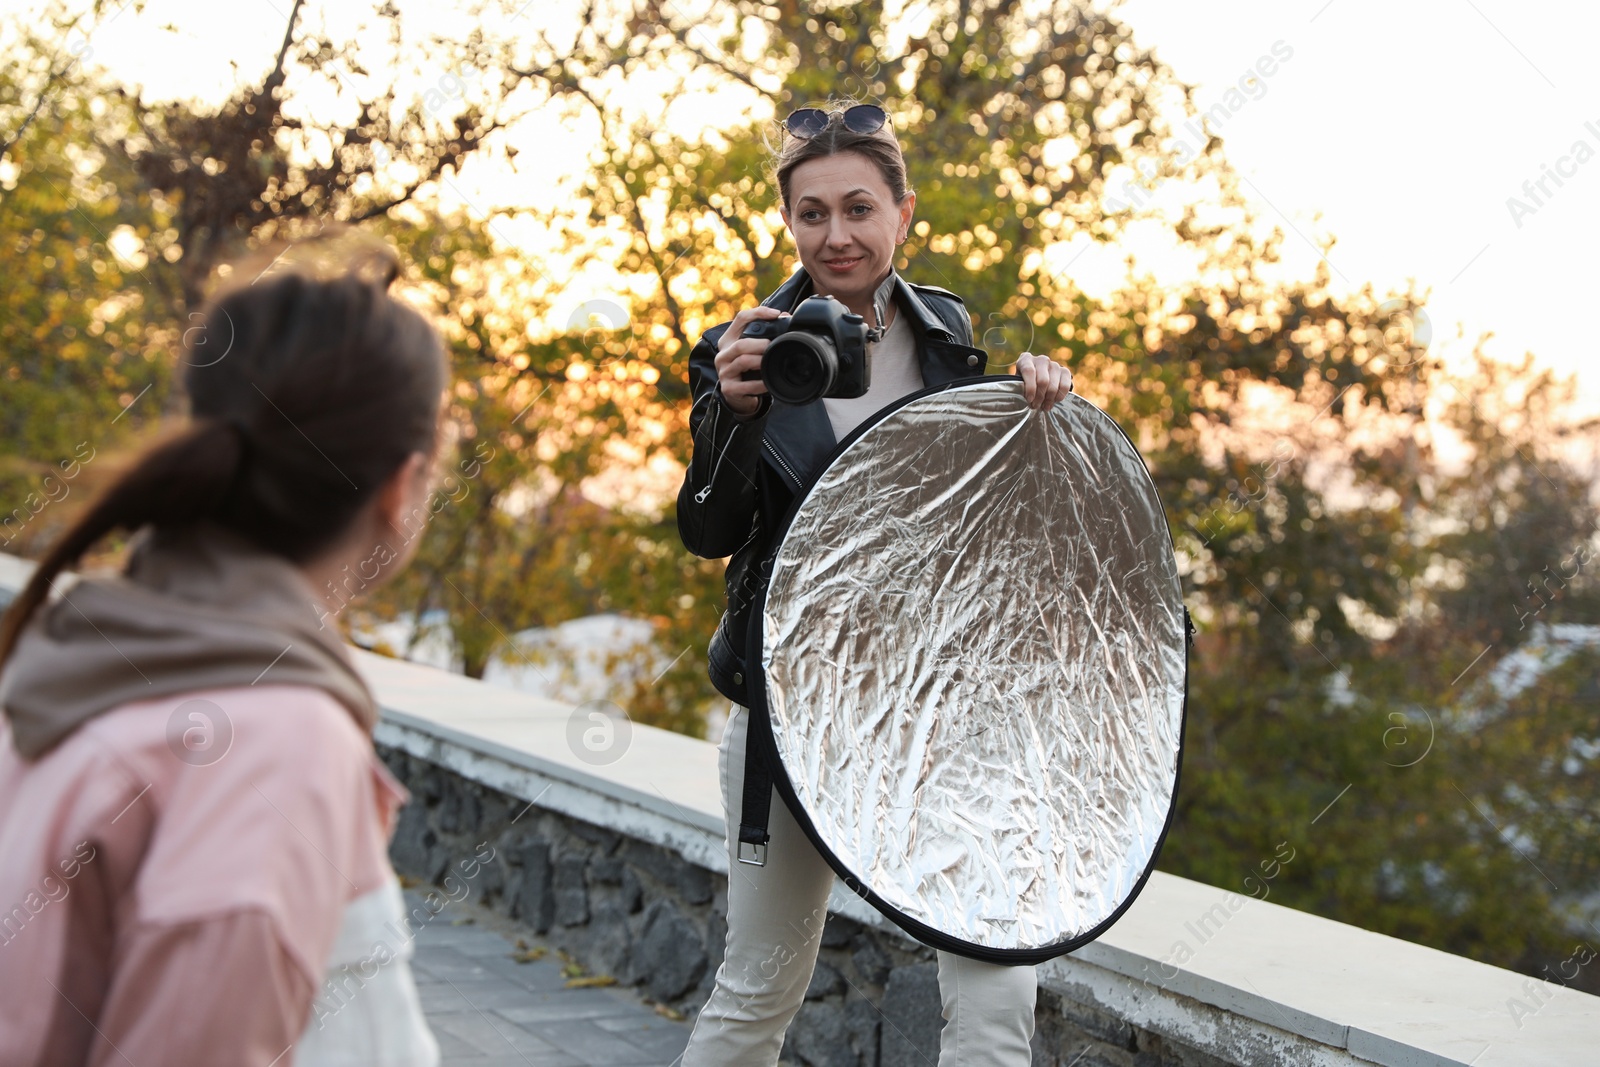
column 512, row 541
column 85, row 323
column 249, row 169
column 1364, row 537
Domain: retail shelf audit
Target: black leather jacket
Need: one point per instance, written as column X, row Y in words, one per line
column 745, row 474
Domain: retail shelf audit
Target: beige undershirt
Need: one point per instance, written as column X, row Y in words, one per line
column 894, row 372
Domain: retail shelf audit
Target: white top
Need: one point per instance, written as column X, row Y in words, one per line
column 368, row 1010
column 894, row 372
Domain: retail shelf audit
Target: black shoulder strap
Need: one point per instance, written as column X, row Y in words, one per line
column 755, row 809
column 760, row 750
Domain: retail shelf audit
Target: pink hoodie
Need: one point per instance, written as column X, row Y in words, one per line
column 163, row 903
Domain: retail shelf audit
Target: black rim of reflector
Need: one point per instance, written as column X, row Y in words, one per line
column 760, row 728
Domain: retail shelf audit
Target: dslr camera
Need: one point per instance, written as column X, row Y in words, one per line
column 819, row 351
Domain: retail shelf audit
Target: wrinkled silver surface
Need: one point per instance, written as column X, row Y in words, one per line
column 974, row 653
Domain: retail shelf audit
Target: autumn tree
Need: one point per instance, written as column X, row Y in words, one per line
column 87, row 325
column 248, row 168
column 536, row 412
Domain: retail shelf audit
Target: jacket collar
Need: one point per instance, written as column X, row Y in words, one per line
column 788, row 296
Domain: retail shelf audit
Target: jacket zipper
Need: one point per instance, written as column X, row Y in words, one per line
column 716, row 411
column 773, row 452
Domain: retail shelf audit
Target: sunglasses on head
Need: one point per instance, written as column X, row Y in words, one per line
column 862, row 118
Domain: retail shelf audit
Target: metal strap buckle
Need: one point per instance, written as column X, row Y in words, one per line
column 757, row 853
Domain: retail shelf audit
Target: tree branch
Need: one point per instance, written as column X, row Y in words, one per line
column 738, row 75
column 275, row 78
column 439, row 163
column 642, row 227
column 38, row 104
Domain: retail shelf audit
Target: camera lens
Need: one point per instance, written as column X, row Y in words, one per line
column 799, row 367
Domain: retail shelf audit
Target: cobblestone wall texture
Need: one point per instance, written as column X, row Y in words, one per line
column 651, row 919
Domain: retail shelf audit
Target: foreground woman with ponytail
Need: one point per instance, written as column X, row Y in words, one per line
column 193, row 822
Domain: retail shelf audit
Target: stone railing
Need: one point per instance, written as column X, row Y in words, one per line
column 622, row 863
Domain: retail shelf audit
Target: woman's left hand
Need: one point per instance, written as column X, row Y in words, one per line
column 1044, row 381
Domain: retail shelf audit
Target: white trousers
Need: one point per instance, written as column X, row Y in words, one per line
column 775, row 919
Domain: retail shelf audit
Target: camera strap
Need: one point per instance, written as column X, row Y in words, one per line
column 881, row 300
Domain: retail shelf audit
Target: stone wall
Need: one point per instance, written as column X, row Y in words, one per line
column 648, row 917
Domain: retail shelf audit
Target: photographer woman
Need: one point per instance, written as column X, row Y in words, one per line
column 842, row 180
column 193, row 819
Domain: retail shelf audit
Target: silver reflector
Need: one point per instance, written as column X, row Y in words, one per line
column 974, row 652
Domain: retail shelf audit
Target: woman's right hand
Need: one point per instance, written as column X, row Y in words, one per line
column 737, row 356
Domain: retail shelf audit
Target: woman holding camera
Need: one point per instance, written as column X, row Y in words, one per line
column 842, row 180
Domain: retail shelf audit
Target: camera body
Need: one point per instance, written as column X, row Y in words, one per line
column 819, row 351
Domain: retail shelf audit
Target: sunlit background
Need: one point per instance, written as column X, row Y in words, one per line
column 1402, row 130
column 1340, row 295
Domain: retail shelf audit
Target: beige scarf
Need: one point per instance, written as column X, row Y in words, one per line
column 198, row 608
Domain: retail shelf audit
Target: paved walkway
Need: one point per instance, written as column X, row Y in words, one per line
column 488, row 1010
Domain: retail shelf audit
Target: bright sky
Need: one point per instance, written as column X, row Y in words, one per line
column 1406, row 126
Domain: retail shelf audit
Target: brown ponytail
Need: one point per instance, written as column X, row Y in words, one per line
column 180, row 480
column 324, row 385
